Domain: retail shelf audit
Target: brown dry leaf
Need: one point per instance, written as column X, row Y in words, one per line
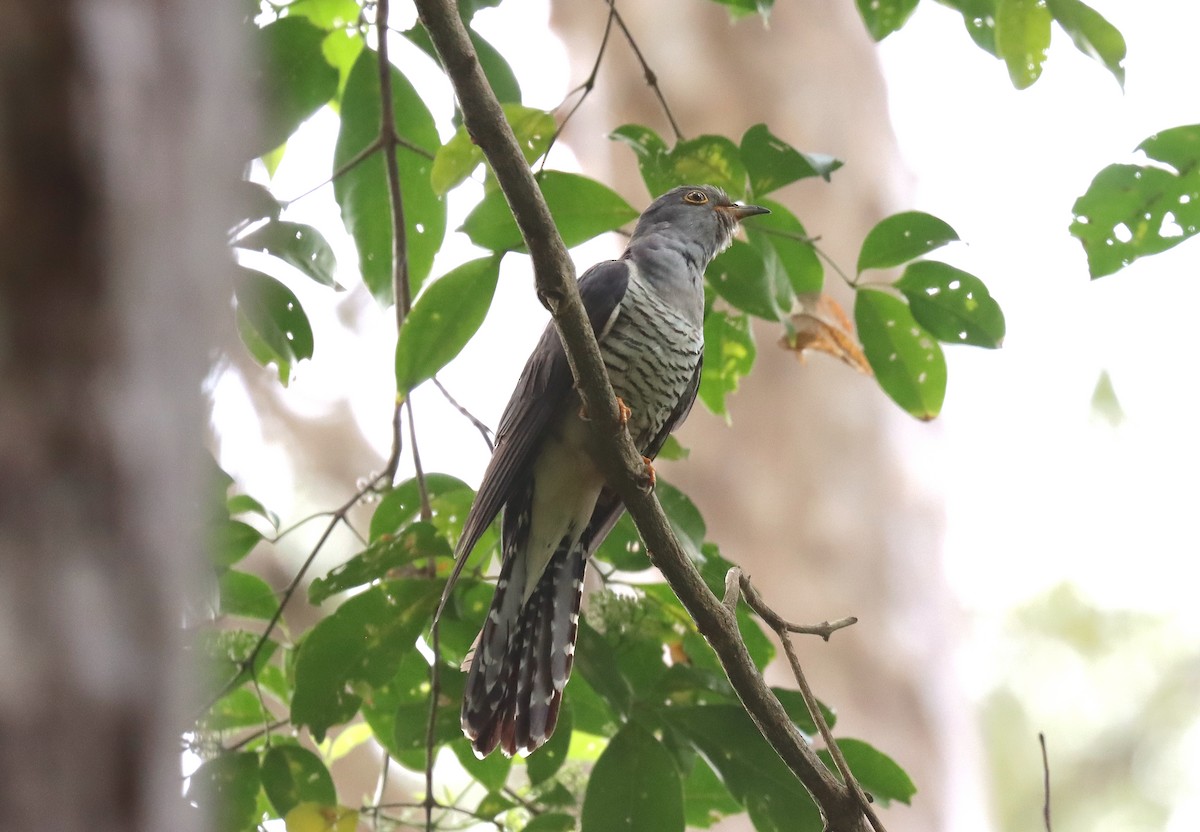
column 822, row 325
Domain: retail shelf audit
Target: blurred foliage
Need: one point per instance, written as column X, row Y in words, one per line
column 1115, row 693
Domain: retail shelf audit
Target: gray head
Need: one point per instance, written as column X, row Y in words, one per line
column 694, row 215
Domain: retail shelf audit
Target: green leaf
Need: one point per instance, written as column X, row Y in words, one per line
column 491, row 772
column 673, row 449
column 596, row 661
column 246, row 595
column 551, row 822
column 327, row 14
column 729, row 354
column 293, row 80
column 782, row 232
column 748, row 767
column 223, row 655
column 741, row 8
column 254, row 202
column 232, row 541
column 876, row 772
column 245, row 504
column 885, row 16
column 363, row 641
column 1131, row 211
column 980, row 19
column 709, row 160
column 953, row 305
column 447, row 496
column 793, row 702
column 291, row 775
column 582, row 208
column 685, row 518
column 398, row 710
column 1092, row 34
column 907, row 361
column 495, row 68
column 750, row 279
column 903, row 237
column 362, row 191
column 623, row 548
column 418, row 541
column 271, row 322
column 653, row 157
column 772, row 163
column 298, row 245
column 444, row 318
column 634, row 787
column 341, row 49
column 240, row 708
column 549, row 759
column 228, row 787
column 457, row 158
column 705, row 798
column 1022, row 38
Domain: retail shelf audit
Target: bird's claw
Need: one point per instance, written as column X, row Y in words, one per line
column 623, row 413
column 650, row 478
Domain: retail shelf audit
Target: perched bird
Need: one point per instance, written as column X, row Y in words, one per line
column 647, row 311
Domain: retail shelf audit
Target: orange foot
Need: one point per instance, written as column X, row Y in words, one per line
column 651, row 477
column 623, row 413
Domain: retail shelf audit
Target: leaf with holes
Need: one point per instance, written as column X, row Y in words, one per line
column 903, row 237
column 883, row 17
column 906, row 359
column 271, row 322
column 634, row 787
column 1131, row 211
column 952, row 304
column 1022, row 38
column 362, row 191
column 443, row 320
column 296, row 244
column 457, row 158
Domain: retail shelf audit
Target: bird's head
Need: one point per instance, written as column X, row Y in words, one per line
column 696, row 215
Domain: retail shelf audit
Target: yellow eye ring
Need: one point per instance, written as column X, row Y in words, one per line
column 695, row 197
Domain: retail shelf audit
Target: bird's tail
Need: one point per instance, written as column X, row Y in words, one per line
column 524, row 655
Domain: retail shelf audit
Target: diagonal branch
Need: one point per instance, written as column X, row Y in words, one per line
column 615, row 453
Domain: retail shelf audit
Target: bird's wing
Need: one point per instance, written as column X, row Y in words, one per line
column 543, row 387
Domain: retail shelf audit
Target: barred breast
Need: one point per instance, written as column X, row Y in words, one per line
column 651, row 351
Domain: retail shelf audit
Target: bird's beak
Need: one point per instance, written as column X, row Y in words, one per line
column 740, row 212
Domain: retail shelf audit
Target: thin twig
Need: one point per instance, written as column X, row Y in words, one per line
column 647, row 72
column 389, row 138
column 586, row 87
column 380, row 788
column 483, row 429
column 444, row 808
column 738, row 583
column 249, row 738
column 422, row 489
column 350, row 164
column 247, row 664
column 1045, row 782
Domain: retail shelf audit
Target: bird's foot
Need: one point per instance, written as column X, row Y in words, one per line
column 623, row 413
column 649, row 477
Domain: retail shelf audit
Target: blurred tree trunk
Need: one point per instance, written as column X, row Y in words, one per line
column 114, row 139
column 812, row 490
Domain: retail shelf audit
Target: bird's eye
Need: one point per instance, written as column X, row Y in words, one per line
column 695, row 197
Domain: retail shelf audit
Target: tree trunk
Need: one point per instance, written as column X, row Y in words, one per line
column 813, row 489
column 114, row 141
